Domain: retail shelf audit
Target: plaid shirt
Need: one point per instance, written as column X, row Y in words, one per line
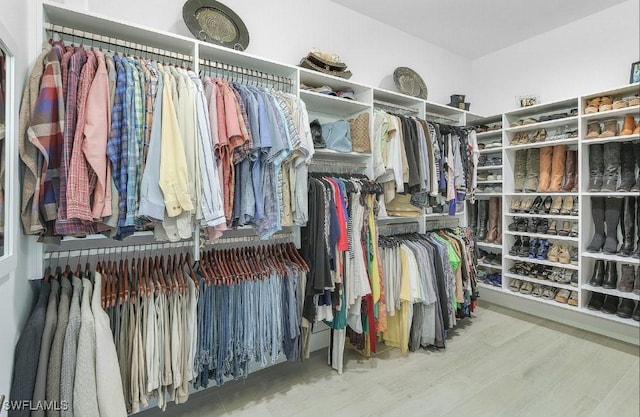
column 78, row 187
column 45, row 131
column 115, row 146
column 136, row 141
column 62, row 226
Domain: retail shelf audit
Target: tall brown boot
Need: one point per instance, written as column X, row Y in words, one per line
column 628, row 126
column 492, row 226
column 544, row 176
column 571, row 169
column 557, row 167
column 532, row 162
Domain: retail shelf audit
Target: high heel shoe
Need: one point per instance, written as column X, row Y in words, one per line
column 537, row 204
column 543, row 226
column 516, row 247
column 546, row 204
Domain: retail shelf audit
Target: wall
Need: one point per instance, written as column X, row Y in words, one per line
column 592, row 54
column 16, row 295
column 285, row 30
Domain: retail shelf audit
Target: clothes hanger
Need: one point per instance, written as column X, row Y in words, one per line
column 192, row 272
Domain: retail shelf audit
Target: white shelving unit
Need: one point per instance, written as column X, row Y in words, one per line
column 571, row 121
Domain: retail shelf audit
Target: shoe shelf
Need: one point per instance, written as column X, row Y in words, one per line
column 489, row 167
column 540, row 281
column 541, row 262
column 611, row 194
column 481, row 194
column 615, row 258
column 612, row 114
column 622, row 138
column 398, row 219
column 568, row 141
column 490, row 182
column 491, row 266
column 544, row 125
column 482, row 244
column 611, row 292
column 612, row 317
column 490, row 150
column 536, row 193
column 543, row 236
column 542, row 216
column 335, row 106
column 543, row 300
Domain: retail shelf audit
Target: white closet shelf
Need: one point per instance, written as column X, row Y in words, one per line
column 335, row 106
column 490, row 150
column 482, row 244
column 544, row 236
column 543, row 216
column 490, row 287
column 481, row 194
column 489, row 134
column 623, row 138
column 535, row 194
column 615, row 258
column 333, row 154
column 317, row 79
column 490, row 168
column 624, row 91
column 544, row 301
column 540, row 281
column 612, row 317
column 541, row 262
column 611, row 292
column 398, row 219
column 569, row 141
column 573, row 121
column 490, row 182
column 542, row 108
column 612, row 114
column 397, row 98
column 611, row 194
column 490, row 266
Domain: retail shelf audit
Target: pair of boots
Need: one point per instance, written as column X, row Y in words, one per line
column 606, row 213
column 555, row 163
column 629, row 127
column 612, row 161
column 526, row 170
column 487, row 220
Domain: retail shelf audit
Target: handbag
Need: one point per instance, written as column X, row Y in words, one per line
column 337, row 135
column 360, row 139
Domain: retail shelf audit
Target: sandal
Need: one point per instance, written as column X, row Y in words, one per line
column 542, row 249
column 515, row 205
column 543, row 226
column 564, row 276
column 533, row 248
column 563, row 255
column 516, row 247
column 573, row 299
column 556, row 206
column 549, row 293
column 515, row 285
column 537, row 290
column 524, row 249
column 529, row 121
column 526, row 288
column 563, row 296
column 553, row 253
column 552, row 227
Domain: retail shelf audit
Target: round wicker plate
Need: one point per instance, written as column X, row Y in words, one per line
column 212, row 21
column 408, row 82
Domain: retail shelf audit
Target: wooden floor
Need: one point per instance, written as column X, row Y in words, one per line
column 499, row 363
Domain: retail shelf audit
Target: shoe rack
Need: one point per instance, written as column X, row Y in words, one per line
column 489, row 138
column 542, row 135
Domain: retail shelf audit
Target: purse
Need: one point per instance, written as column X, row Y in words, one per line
column 337, row 135
column 360, row 139
column 316, row 134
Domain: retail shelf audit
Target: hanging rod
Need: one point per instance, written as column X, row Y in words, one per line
column 398, row 228
column 395, row 106
column 339, row 167
column 442, row 223
column 246, row 71
column 278, row 237
column 107, row 40
column 80, row 253
column 440, row 116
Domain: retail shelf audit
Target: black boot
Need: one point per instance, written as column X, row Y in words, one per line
column 610, row 304
column 597, row 213
column 611, row 276
column 636, row 152
column 636, row 313
column 473, row 218
column 611, row 166
column 596, row 302
column 627, row 167
column 627, row 278
column 596, row 167
column 598, row 274
column 483, row 214
column 626, row 308
column 636, row 253
column 612, row 218
column 628, row 225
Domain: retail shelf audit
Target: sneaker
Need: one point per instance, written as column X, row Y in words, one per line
column 574, row 279
column 491, row 177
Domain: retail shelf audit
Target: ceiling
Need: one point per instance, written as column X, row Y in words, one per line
column 474, row 28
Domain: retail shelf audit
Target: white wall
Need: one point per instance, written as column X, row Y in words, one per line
column 16, row 296
column 285, row 30
column 592, row 54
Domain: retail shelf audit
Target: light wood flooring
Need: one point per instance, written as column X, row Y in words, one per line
column 498, row 363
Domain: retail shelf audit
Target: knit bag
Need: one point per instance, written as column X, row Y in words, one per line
column 360, row 140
